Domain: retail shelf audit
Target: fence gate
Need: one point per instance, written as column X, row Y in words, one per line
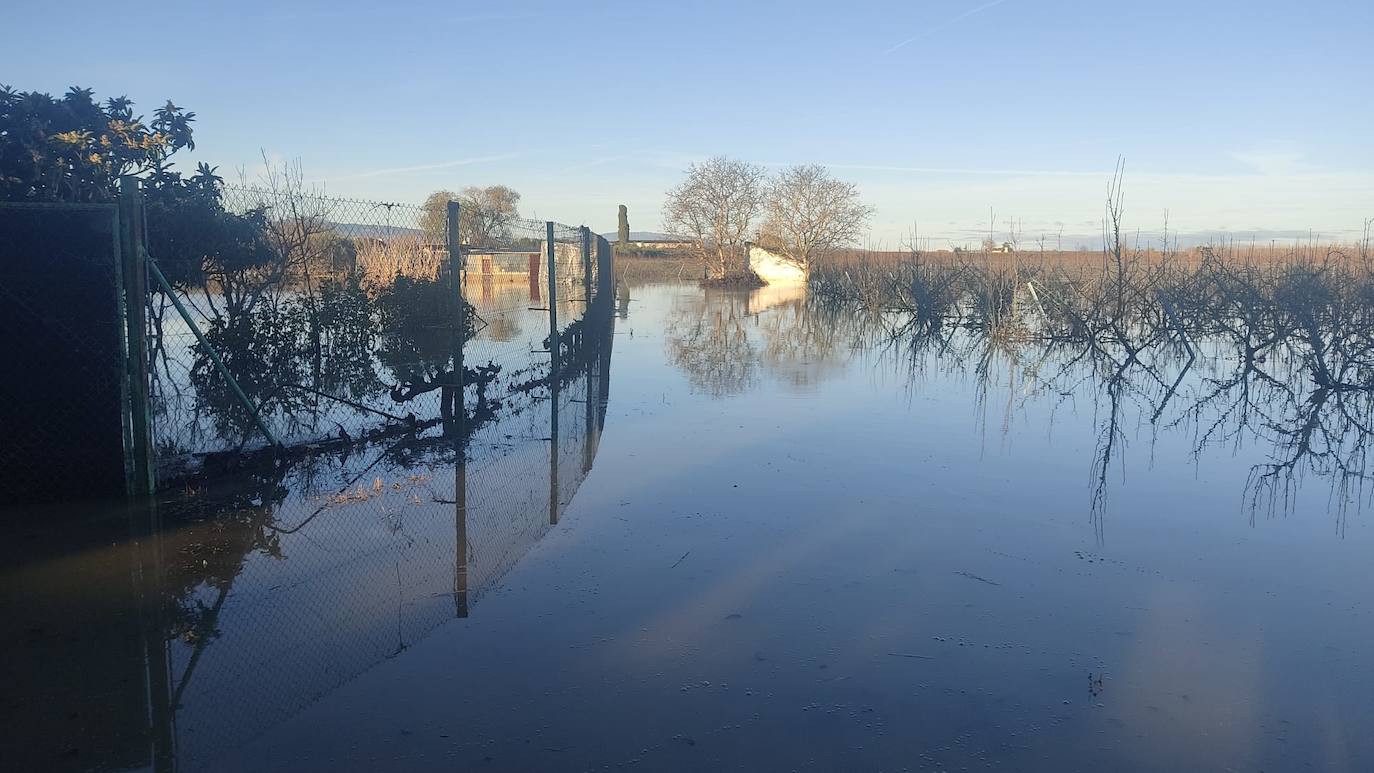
column 64, row 398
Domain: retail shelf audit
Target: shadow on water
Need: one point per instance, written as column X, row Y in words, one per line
column 164, row 634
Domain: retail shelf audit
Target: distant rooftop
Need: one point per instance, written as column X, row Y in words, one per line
column 646, row 236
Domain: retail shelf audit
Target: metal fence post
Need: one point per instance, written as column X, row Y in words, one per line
column 460, row 536
column 605, row 277
column 553, row 450
column 455, row 269
column 589, row 417
column 553, row 301
column 254, row 411
column 135, row 274
column 586, row 268
column 460, row 469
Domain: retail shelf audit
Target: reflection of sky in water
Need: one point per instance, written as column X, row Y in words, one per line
column 800, row 550
column 898, row 565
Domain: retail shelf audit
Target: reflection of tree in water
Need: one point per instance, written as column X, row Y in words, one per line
column 418, row 332
column 217, row 528
column 272, row 346
column 1326, row 434
column 1291, row 369
column 1310, row 399
column 209, row 533
column 293, row 373
column 798, row 343
column 707, row 340
column 1281, row 362
column 348, row 338
column 800, row 347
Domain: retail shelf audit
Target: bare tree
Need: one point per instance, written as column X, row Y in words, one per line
column 434, row 216
column 715, row 207
column 295, row 230
column 809, row 213
column 298, row 219
column 484, row 214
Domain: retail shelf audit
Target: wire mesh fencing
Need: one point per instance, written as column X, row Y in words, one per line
column 346, row 321
column 359, row 417
column 346, row 560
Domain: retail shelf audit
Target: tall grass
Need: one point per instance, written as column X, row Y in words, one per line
column 1128, row 298
column 382, row 261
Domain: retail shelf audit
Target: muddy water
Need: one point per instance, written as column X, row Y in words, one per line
column 767, row 539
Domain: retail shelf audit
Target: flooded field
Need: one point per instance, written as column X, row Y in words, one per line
column 751, row 533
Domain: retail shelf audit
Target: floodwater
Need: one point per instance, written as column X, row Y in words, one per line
column 752, row 537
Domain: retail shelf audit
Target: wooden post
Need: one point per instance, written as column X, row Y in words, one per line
column 141, row 468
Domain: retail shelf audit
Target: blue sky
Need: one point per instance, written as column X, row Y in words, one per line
column 1233, row 116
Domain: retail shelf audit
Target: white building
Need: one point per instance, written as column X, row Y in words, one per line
column 773, row 268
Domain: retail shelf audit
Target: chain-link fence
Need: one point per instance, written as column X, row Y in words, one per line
column 360, row 432
column 349, row 324
column 361, row 416
column 346, row 560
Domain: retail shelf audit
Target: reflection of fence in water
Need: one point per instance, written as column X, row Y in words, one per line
column 353, row 579
column 366, row 531
column 267, row 580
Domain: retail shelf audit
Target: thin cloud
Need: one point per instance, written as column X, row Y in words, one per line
column 388, row 14
column 964, row 171
column 1274, row 160
column 942, row 25
column 665, row 159
column 427, row 167
column 592, row 164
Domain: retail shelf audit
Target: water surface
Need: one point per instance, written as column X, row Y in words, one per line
column 759, row 537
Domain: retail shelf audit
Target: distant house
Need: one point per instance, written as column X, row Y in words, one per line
column 521, row 265
column 659, row 244
column 650, row 240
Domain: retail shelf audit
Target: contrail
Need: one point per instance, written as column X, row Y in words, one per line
column 942, row 25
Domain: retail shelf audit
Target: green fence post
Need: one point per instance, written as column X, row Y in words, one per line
column 586, row 268
column 253, row 410
column 605, row 278
column 553, row 452
column 553, row 302
column 135, row 275
column 460, row 469
column 455, row 271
